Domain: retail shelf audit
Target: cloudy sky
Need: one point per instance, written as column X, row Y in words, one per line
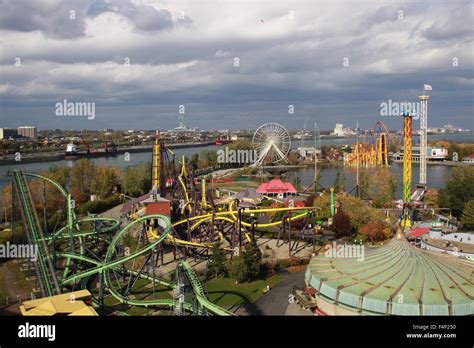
column 233, row 64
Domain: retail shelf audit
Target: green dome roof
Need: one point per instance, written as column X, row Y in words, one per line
column 395, row 279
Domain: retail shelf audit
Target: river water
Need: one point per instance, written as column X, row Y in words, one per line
column 437, row 174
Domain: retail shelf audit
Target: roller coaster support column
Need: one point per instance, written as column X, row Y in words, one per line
column 71, row 204
column 407, row 168
column 240, row 228
column 156, row 163
column 289, row 234
column 203, row 193
column 254, row 221
column 332, row 201
column 101, row 290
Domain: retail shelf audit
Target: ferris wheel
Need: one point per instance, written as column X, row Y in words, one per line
column 272, row 143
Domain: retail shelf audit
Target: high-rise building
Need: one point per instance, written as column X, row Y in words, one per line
column 339, row 129
column 6, row 133
column 342, row 131
column 28, row 132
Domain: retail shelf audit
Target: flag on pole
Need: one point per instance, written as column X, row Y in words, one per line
column 427, row 87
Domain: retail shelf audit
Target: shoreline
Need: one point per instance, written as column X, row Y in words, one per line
column 59, row 156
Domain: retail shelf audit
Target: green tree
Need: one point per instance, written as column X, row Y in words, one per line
column 209, row 159
column 217, row 261
column 60, row 174
column 238, row 268
column 364, row 181
column 459, row 190
column 82, row 176
column 467, row 218
column 355, row 208
column 253, row 259
column 103, row 182
column 193, row 162
column 383, row 188
column 432, row 198
column 137, row 180
column 393, row 183
column 241, row 144
column 323, row 202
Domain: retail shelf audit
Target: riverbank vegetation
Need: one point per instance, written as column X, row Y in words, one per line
column 459, row 190
column 462, row 149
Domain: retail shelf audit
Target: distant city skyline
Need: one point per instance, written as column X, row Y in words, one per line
column 233, row 65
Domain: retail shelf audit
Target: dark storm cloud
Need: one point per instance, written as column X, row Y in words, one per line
column 55, row 19
column 175, row 60
column 51, row 18
column 457, row 24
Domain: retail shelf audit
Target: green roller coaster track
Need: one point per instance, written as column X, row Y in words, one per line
column 45, row 267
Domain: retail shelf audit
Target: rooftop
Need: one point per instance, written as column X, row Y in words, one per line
column 276, row 186
column 66, row 304
column 418, row 231
column 395, row 279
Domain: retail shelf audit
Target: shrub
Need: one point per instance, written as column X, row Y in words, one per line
column 341, row 224
column 99, row 206
column 459, row 190
column 217, row 261
column 237, row 268
column 253, row 259
column 467, row 217
column 375, row 231
column 285, row 263
column 270, row 268
column 294, row 261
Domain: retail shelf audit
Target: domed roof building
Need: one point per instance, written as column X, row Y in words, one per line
column 393, row 279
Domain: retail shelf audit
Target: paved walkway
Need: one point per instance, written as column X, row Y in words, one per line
column 276, row 301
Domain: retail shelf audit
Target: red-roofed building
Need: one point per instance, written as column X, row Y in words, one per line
column 160, row 207
column 468, row 159
column 418, row 232
column 153, row 203
column 276, row 187
column 414, row 235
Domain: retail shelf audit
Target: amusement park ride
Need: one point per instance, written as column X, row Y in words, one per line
column 109, row 260
column 373, row 153
column 272, row 143
column 412, row 199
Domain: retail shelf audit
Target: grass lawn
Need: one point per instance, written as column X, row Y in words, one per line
column 225, row 293
column 235, row 185
column 142, row 290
